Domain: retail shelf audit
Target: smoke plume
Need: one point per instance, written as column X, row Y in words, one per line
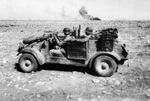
column 84, row 13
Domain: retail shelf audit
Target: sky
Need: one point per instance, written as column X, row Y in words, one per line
column 69, row 9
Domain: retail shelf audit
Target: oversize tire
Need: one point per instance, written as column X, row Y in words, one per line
column 105, row 66
column 28, row 63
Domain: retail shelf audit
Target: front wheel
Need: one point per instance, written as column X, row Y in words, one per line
column 27, row 63
column 105, row 66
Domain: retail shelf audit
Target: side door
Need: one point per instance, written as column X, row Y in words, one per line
column 78, row 49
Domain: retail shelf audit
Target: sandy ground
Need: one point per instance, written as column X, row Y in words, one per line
column 65, row 83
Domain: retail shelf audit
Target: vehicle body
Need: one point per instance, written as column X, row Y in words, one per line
column 101, row 54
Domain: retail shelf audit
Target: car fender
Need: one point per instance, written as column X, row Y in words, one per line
column 40, row 58
column 111, row 54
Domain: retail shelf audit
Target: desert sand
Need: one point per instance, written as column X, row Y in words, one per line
column 64, row 83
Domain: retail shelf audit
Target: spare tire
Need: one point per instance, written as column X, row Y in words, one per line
column 30, row 39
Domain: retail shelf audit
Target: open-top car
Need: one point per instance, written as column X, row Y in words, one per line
column 102, row 53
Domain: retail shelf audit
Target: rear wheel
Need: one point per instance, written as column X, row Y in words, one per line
column 105, row 66
column 27, row 63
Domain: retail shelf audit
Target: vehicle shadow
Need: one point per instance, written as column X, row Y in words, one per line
column 66, row 68
column 57, row 67
column 17, row 67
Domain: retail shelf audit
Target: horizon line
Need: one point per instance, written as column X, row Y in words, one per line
column 69, row 20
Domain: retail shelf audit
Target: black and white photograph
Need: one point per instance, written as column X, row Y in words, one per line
column 74, row 50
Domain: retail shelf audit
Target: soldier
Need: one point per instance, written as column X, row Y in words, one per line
column 60, row 50
column 88, row 33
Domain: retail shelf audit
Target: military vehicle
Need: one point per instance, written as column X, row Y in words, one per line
column 101, row 54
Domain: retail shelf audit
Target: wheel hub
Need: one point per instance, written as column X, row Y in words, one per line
column 27, row 63
column 104, row 66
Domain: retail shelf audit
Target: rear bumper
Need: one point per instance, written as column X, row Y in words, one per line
column 121, row 62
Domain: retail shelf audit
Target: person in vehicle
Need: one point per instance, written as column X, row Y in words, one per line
column 61, row 45
column 88, row 34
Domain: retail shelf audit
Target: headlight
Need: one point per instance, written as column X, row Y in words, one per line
column 21, row 46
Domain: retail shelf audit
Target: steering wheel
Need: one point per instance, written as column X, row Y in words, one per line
column 52, row 39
